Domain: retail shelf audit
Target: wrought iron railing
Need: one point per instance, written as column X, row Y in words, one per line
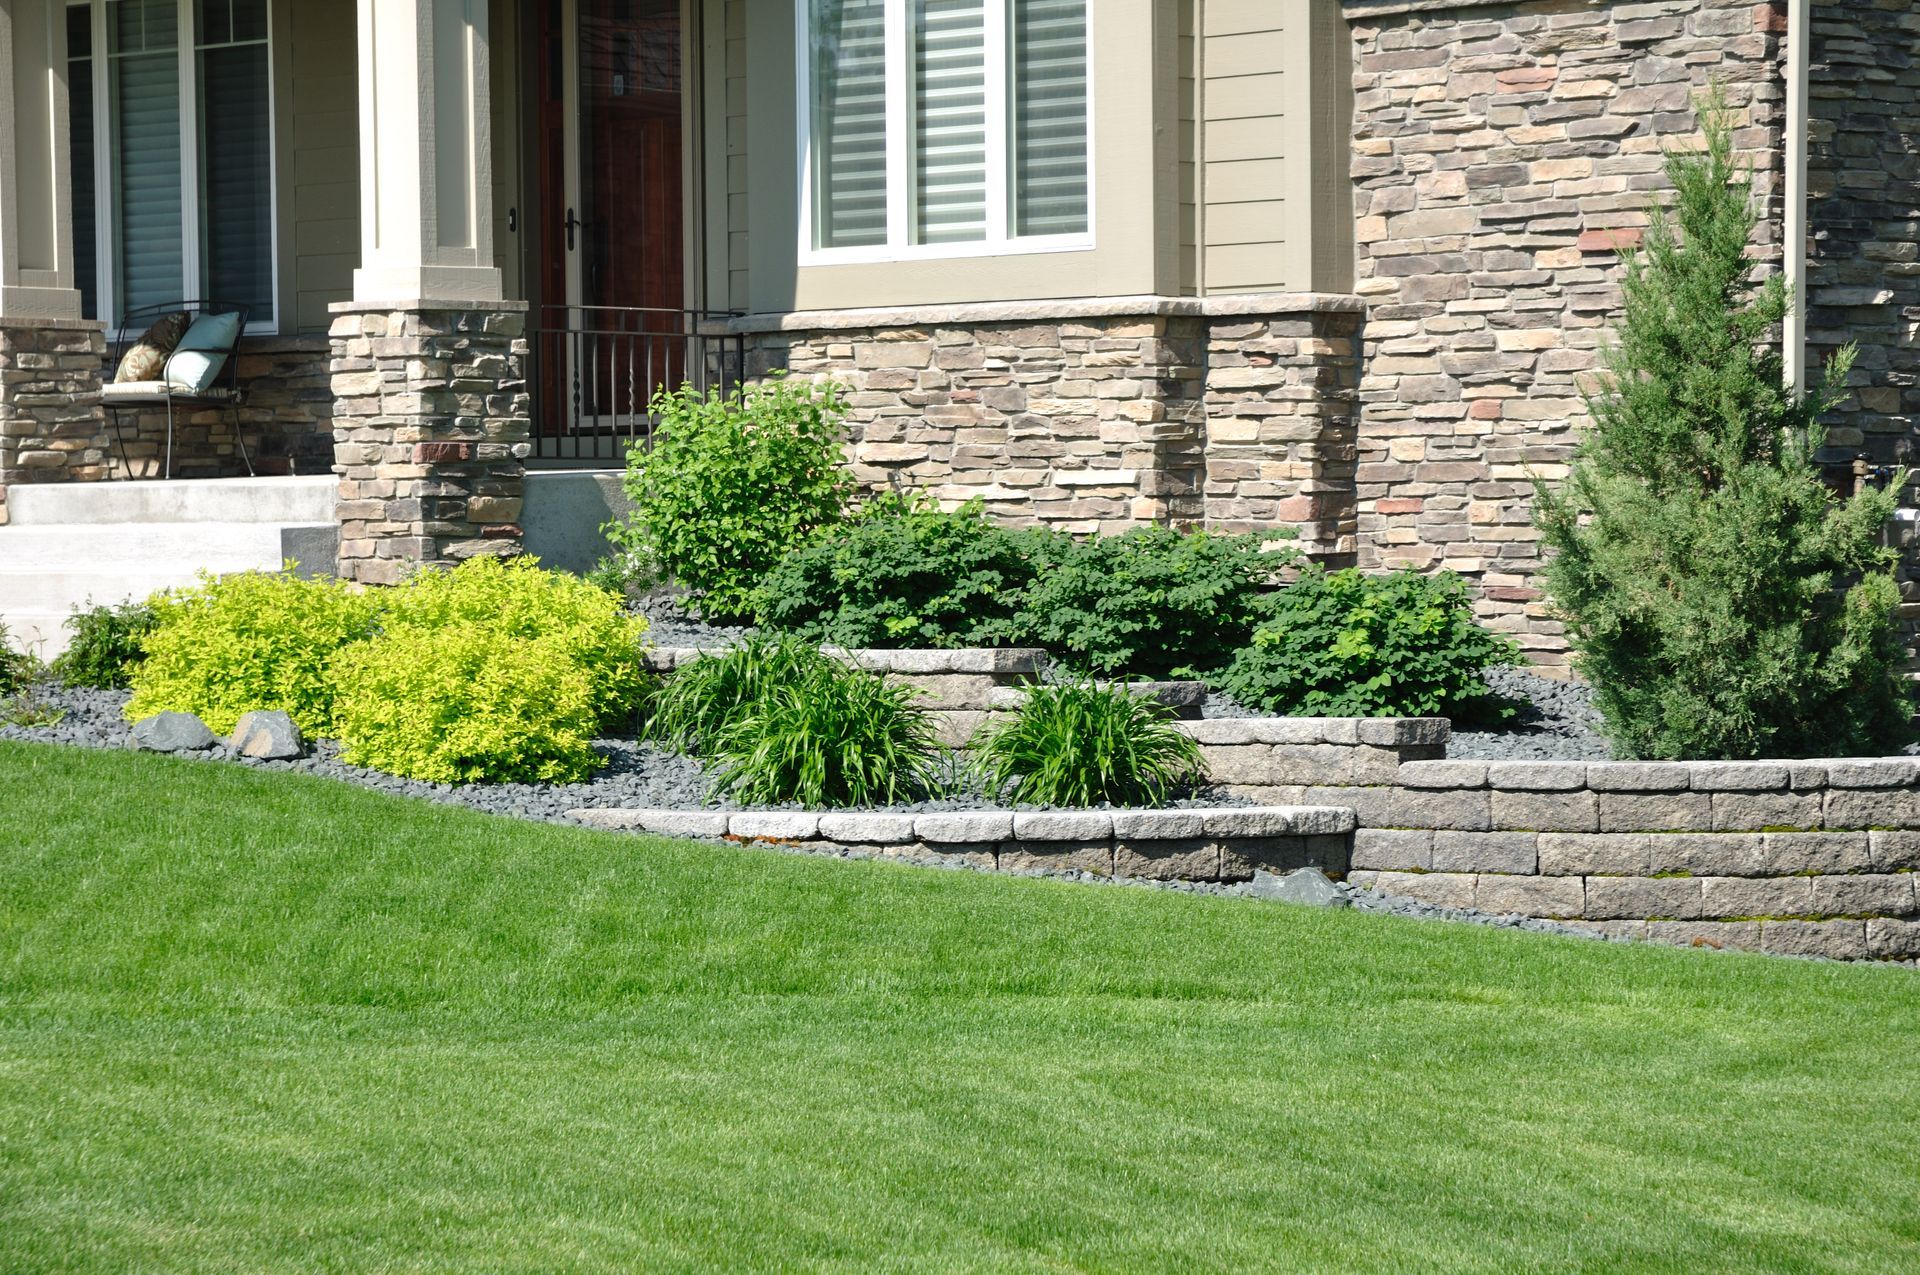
column 593, row 370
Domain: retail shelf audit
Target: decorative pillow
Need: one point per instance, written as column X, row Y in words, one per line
column 149, row 354
column 202, row 352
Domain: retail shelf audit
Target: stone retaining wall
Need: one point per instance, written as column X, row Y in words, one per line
column 1184, row 845
column 1809, row 857
column 50, row 422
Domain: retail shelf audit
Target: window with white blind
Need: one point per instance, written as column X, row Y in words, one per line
column 172, row 154
column 943, row 128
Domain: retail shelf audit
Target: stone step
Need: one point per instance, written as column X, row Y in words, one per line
column 294, row 501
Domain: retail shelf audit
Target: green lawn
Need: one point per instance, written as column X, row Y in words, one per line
column 253, row 1022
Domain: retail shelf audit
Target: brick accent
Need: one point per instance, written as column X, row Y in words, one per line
column 1503, row 153
column 429, row 435
column 50, row 420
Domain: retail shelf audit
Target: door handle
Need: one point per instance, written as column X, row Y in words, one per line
column 513, row 220
column 572, row 223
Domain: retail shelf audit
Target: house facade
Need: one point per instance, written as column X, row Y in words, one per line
column 1338, row 267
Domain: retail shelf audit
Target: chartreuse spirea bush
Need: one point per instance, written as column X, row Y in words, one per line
column 831, row 735
column 105, row 646
column 494, row 671
column 1153, row 602
column 1346, row 644
column 729, row 484
column 903, row 572
column 690, row 712
column 251, row 640
column 1083, row 744
column 1723, row 602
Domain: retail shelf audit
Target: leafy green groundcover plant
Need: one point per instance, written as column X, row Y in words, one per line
column 16, row 667
column 1722, row 601
column 252, row 640
column 106, row 645
column 1153, row 602
column 903, row 572
column 1344, row 644
column 1082, row 743
column 695, row 705
column 731, row 483
column 490, row 672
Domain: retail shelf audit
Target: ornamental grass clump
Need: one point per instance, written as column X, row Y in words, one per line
column 492, row 672
column 251, row 640
column 834, row 736
column 1724, row 603
column 1087, row 744
column 699, row 700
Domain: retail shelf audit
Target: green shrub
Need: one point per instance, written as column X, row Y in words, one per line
column 253, row 640
column 1723, row 603
column 835, row 736
column 494, row 671
column 730, row 484
column 1151, row 603
column 902, row 572
column 16, row 667
column 1081, row 744
column 1344, row 644
column 105, row 646
column 698, row 700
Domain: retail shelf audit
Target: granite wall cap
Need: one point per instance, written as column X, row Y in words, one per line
column 1442, row 774
column 866, row 827
column 661, row 823
column 964, row 826
column 1062, row 825
column 777, row 825
column 1537, row 776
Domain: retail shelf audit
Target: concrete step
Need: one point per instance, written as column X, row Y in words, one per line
column 48, row 571
column 291, row 501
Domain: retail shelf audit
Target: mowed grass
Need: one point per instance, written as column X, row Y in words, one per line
column 256, row 1022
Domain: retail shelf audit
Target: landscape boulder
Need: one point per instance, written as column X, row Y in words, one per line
column 172, row 733
column 267, row 735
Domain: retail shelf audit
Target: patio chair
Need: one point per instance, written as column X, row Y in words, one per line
column 199, row 368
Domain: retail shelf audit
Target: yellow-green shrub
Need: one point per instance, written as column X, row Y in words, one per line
column 492, row 671
column 253, row 640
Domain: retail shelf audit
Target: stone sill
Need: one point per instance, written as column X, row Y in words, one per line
column 419, row 306
column 39, row 323
column 1148, row 306
column 1009, row 660
column 1664, row 776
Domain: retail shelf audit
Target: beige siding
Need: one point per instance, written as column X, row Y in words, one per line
column 736, row 154
column 321, row 173
column 1249, row 102
column 1190, row 146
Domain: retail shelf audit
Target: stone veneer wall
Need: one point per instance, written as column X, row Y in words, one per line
column 1815, row 858
column 50, row 422
column 1097, row 416
column 429, row 435
column 286, row 416
column 1502, row 153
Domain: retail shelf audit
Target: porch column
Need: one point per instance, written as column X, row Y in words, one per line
column 50, row 421
column 430, row 397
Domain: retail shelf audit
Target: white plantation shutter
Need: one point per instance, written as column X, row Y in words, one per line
column 236, row 156
column 146, row 120
column 949, row 120
column 1049, row 90
column 849, row 72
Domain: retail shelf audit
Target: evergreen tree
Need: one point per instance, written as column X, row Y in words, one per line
column 1723, row 602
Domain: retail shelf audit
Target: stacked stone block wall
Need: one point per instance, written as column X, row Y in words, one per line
column 50, row 419
column 1234, row 415
column 1798, row 857
column 1503, row 153
column 430, row 435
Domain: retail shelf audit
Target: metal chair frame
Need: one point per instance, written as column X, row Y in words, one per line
column 133, row 325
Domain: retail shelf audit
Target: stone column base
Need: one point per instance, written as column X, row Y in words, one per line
column 52, row 429
column 431, row 431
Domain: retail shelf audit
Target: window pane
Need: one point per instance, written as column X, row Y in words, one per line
column 249, row 19
column 86, row 266
column 236, row 163
column 949, row 120
column 849, row 122
column 1049, row 117
column 146, row 91
column 213, row 21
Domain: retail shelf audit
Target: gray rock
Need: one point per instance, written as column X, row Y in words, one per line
column 269, row 735
column 1303, row 885
column 172, row 733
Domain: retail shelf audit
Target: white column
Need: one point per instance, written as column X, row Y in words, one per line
column 426, row 154
column 36, row 192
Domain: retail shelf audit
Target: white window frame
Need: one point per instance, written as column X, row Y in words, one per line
column 899, row 149
column 106, row 185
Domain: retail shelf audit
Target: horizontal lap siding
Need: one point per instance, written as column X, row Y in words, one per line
column 1247, row 109
column 325, row 165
